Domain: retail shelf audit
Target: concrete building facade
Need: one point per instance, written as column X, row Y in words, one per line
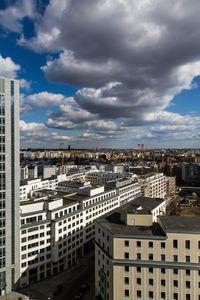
column 136, row 258
column 9, row 185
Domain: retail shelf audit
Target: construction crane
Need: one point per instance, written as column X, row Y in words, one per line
column 142, row 156
column 133, row 156
column 62, row 156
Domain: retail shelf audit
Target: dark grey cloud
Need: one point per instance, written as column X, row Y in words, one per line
column 127, row 58
column 151, row 49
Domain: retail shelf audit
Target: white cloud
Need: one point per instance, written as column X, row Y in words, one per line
column 8, row 68
column 44, row 100
column 24, row 84
column 31, row 126
column 34, row 134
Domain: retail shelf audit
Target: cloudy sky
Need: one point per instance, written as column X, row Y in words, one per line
column 104, row 73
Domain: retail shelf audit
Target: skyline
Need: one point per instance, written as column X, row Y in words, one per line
column 121, row 75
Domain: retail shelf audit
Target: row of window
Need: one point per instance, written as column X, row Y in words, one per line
column 96, row 200
column 162, row 257
column 163, row 270
column 163, row 295
column 162, row 244
column 162, row 282
column 66, row 212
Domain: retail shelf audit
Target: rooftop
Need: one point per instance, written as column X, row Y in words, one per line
column 112, row 222
column 78, row 197
column 146, row 203
column 181, row 224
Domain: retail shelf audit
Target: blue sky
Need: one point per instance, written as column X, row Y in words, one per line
column 125, row 74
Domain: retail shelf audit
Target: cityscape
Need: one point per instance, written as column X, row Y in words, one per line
column 100, row 152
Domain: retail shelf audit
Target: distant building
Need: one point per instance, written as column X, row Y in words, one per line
column 170, row 183
column 136, row 258
column 24, row 173
column 49, row 171
column 153, row 185
column 191, row 174
column 32, row 172
column 100, row 177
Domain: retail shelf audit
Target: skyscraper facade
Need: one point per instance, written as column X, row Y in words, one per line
column 9, row 185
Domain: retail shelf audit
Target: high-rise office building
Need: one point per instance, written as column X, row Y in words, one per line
column 9, row 185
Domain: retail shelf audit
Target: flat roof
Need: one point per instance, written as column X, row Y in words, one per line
column 30, row 202
column 78, row 197
column 181, row 224
column 147, row 204
column 62, row 194
column 112, row 222
column 67, row 201
column 44, row 190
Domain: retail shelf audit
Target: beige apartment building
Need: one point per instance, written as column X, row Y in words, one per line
column 136, row 258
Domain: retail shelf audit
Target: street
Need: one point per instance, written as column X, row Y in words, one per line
column 71, row 280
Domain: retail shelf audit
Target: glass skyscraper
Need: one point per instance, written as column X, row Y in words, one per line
column 9, row 185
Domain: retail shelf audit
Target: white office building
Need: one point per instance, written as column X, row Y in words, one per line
column 153, row 185
column 57, row 227
column 9, row 185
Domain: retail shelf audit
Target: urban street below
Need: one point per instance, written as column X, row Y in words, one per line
column 71, row 280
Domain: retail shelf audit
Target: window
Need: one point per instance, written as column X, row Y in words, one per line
column 162, row 282
column 187, row 272
column 187, row 258
column 187, row 284
column 162, row 245
column 150, row 270
column 163, row 271
column 126, row 293
column 139, row 294
column 139, row 269
column 187, row 244
column 151, row 294
column 138, row 244
column 138, row 281
column 175, row 257
column 150, row 256
column 162, row 295
column 176, row 283
column 150, row 281
column 175, row 244
column 175, row 271
column 126, row 268
column 187, row 297
column 139, row 256
column 150, row 244
column 126, row 280
column 126, row 243
column 163, row 257
column 126, row 255
column 175, row 296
